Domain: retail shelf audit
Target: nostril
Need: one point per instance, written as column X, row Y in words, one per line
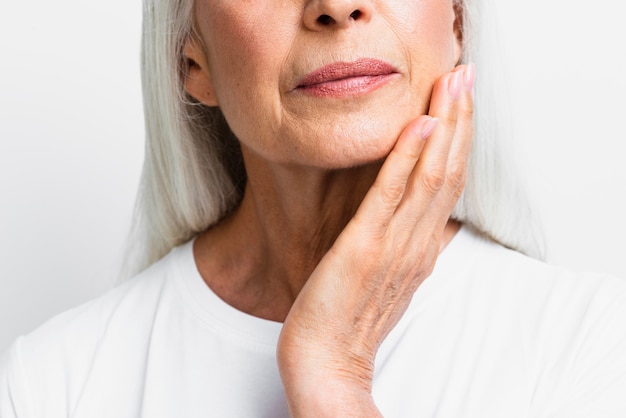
column 325, row 20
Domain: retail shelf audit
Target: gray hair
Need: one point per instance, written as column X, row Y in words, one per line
column 193, row 172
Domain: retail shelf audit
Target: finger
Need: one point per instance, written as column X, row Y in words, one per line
column 456, row 167
column 429, row 175
column 386, row 193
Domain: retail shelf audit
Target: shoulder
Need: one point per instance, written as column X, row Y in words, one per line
column 557, row 310
column 87, row 323
column 543, row 290
column 572, row 326
column 502, row 265
column 60, row 352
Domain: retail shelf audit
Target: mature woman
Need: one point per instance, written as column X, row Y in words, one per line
column 304, row 162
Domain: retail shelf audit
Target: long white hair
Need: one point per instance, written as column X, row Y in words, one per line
column 193, row 172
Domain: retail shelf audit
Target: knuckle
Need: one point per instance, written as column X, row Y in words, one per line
column 423, row 270
column 433, row 181
column 390, row 194
column 467, row 112
column 456, row 180
column 458, row 190
column 425, row 262
column 456, row 175
column 449, row 118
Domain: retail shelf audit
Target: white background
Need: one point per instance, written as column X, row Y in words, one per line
column 71, row 140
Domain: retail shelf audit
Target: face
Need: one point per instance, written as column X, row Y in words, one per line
column 324, row 83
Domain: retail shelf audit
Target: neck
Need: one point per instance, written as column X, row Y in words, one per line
column 260, row 257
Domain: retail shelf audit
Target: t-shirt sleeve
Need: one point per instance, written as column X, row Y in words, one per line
column 12, row 390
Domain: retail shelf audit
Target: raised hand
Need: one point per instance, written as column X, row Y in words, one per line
column 363, row 285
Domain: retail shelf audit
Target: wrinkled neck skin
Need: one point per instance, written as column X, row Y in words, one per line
column 259, row 258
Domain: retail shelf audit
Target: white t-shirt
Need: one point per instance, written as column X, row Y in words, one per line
column 491, row 333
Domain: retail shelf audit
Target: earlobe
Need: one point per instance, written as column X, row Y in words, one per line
column 198, row 82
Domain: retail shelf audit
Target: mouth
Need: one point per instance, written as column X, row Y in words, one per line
column 341, row 79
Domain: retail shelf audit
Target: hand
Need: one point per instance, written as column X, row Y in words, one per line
column 363, row 285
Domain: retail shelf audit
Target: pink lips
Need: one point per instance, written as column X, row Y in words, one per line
column 342, row 79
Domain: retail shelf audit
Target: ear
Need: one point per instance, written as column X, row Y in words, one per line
column 198, row 82
column 458, row 29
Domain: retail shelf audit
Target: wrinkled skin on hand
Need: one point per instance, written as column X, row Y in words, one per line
column 363, row 285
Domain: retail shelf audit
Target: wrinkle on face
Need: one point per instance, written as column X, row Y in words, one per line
column 257, row 50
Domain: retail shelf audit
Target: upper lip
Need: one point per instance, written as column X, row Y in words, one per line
column 340, row 70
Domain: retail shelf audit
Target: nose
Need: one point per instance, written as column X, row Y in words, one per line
column 338, row 14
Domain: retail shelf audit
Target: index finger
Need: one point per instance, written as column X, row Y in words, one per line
column 383, row 198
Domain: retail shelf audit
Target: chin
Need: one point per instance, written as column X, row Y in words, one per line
column 333, row 140
column 356, row 144
column 344, row 152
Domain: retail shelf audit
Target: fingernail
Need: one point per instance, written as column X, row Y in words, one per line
column 429, row 127
column 454, row 87
column 470, row 77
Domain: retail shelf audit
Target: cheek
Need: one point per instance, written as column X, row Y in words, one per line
column 234, row 47
column 246, row 40
column 245, row 54
column 249, row 48
column 429, row 27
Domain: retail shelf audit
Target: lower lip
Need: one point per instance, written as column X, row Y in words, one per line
column 348, row 87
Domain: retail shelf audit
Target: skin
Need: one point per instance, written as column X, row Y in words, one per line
column 348, row 198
